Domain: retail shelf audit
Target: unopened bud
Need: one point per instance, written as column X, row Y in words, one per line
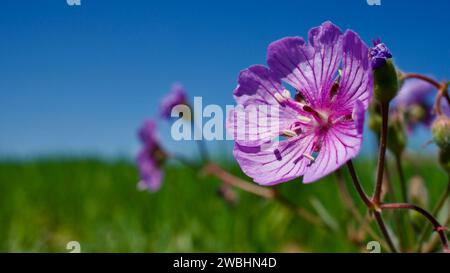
column 440, row 130
column 385, row 82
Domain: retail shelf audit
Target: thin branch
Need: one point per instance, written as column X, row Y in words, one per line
column 437, row 227
column 381, row 153
column 267, row 193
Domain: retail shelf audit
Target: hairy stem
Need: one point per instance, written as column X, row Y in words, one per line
column 384, row 231
column 435, row 211
column 350, row 206
column 434, row 239
column 437, row 227
column 358, row 185
column 381, row 153
column 423, row 78
column 370, row 205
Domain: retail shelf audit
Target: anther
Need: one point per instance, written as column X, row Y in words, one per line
column 286, row 93
column 289, row 133
column 308, row 156
column 304, row 119
column 279, row 98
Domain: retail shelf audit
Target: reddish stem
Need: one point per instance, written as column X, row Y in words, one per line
column 381, row 153
column 423, row 78
column 437, row 227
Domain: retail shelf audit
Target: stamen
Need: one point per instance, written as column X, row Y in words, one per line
column 308, row 156
column 340, row 72
column 299, row 97
column 319, row 118
column 286, row 93
column 279, row 98
column 334, row 90
column 289, row 133
column 304, row 119
column 301, row 105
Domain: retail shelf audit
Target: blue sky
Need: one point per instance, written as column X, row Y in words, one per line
column 81, row 79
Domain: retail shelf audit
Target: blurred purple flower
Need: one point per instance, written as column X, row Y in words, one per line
column 415, row 99
column 323, row 122
column 378, row 54
column 150, row 158
column 413, row 91
column 176, row 96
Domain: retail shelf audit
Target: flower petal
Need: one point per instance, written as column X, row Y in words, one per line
column 358, row 116
column 281, row 163
column 176, row 96
column 356, row 82
column 257, row 85
column 148, row 133
column 259, row 117
column 308, row 68
column 341, row 143
column 150, row 174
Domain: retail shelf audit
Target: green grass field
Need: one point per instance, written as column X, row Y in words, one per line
column 46, row 203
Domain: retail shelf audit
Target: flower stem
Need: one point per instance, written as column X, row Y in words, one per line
column 435, row 211
column 384, row 230
column 437, row 227
column 370, row 205
column 358, row 185
column 350, row 205
column 266, row 193
column 434, row 239
column 423, row 78
column 381, row 153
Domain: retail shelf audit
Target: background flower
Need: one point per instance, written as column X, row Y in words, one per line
column 176, row 96
column 150, row 158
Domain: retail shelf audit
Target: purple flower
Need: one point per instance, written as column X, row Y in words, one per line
column 322, row 124
column 150, row 158
column 413, row 91
column 176, row 96
column 378, row 54
column 415, row 99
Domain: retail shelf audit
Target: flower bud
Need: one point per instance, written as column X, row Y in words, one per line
column 385, row 82
column 416, row 113
column 440, row 130
column 384, row 72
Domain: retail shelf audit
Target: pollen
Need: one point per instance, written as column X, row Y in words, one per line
column 286, row 93
column 279, row 98
column 308, row 156
column 289, row 133
column 304, row 119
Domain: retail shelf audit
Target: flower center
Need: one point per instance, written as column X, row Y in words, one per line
column 315, row 121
